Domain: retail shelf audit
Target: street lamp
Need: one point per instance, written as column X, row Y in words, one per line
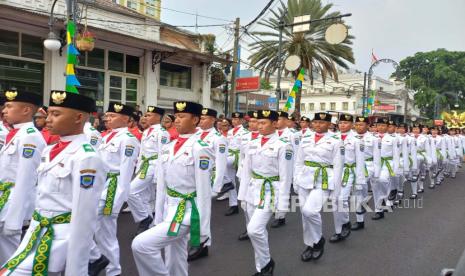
column 353, row 86
column 53, row 42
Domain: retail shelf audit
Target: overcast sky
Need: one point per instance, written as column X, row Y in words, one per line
column 392, row 28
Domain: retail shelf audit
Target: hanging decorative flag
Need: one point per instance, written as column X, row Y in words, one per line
column 370, row 103
column 290, row 103
column 71, row 80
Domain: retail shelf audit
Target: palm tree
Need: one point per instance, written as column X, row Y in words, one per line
column 316, row 54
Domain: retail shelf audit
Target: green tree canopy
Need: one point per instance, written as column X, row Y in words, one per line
column 437, row 76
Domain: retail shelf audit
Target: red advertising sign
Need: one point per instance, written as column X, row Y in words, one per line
column 248, row 84
column 438, row 122
column 385, row 107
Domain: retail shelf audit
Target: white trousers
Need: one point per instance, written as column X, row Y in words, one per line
column 248, row 211
column 311, row 202
column 381, row 187
column 341, row 210
column 107, row 243
column 8, row 245
column 360, row 196
column 147, row 246
column 256, row 229
column 140, row 194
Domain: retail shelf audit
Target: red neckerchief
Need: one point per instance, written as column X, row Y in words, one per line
column 343, row 136
column 11, row 134
column 304, row 130
column 204, row 134
column 264, row 140
column 57, row 148
column 112, row 134
column 318, row 136
column 235, row 130
column 280, row 132
column 255, row 134
column 149, row 131
column 179, row 142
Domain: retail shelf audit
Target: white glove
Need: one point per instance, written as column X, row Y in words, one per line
column 10, row 232
column 214, row 194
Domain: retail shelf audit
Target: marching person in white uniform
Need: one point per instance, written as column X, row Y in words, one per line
column 71, row 177
column 317, row 176
column 267, row 172
column 119, row 151
column 3, row 130
column 369, row 145
column 208, row 134
column 441, row 153
column 390, row 158
column 234, row 151
column 424, row 159
column 352, row 179
column 19, row 159
column 142, row 186
column 184, row 196
column 293, row 137
column 407, row 164
column 243, row 195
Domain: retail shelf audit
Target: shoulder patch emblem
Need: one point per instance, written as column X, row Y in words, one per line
column 289, row 154
column 204, row 162
column 222, row 148
column 87, row 180
column 343, row 150
column 28, row 152
column 129, row 151
column 88, row 148
column 93, row 140
column 164, row 140
column 296, row 141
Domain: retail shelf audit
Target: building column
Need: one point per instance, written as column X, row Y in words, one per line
column 54, row 73
column 206, row 86
column 151, row 81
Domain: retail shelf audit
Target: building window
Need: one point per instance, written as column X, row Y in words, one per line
column 92, row 85
column 311, row 107
column 150, row 2
column 22, row 75
column 332, row 106
column 123, row 89
column 17, row 44
column 123, row 63
column 345, row 106
column 323, row 106
column 150, row 11
column 94, row 59
column 302, row 108
column 173, row 75
column 132, row 5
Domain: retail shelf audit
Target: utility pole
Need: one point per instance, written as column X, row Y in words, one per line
column 232, row 97
column 280, row 49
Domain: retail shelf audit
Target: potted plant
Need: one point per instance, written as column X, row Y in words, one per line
column 85, row 41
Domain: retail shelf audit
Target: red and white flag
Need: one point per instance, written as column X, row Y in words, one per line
column 373, row 57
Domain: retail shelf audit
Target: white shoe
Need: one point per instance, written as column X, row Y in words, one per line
column 223, row 197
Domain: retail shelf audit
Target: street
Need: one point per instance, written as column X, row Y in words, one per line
column 418, row 241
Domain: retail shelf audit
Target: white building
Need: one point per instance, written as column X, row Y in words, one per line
column 346, row 95
column 136, row 59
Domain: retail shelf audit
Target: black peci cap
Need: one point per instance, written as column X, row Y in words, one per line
column 60, row 98
column 120, row 108
column 322, row 116
column 268, row 114
column 154, row 109
column 209, row 112
column 25, row 97
column 188, row 107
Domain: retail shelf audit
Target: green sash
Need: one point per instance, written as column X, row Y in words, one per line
column 144, row 167
column 322, row 169
column 266, row 180
column 5, row 187
column 439, row 154
column 422, row 153
column 348, row 169
column 385, row 161
column 181, row 212
column 111, row 193
column 41, row 257
column 367, row 160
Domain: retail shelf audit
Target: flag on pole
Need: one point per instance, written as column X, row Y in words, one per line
column 370, row 103
column 290, row 103
column 374, row 58
column 71, row 59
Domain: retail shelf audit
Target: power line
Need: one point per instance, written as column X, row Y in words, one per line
column 260, row 14
column 132, row 23
column 204, row 16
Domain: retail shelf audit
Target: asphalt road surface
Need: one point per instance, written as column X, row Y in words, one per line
column 418, row 240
